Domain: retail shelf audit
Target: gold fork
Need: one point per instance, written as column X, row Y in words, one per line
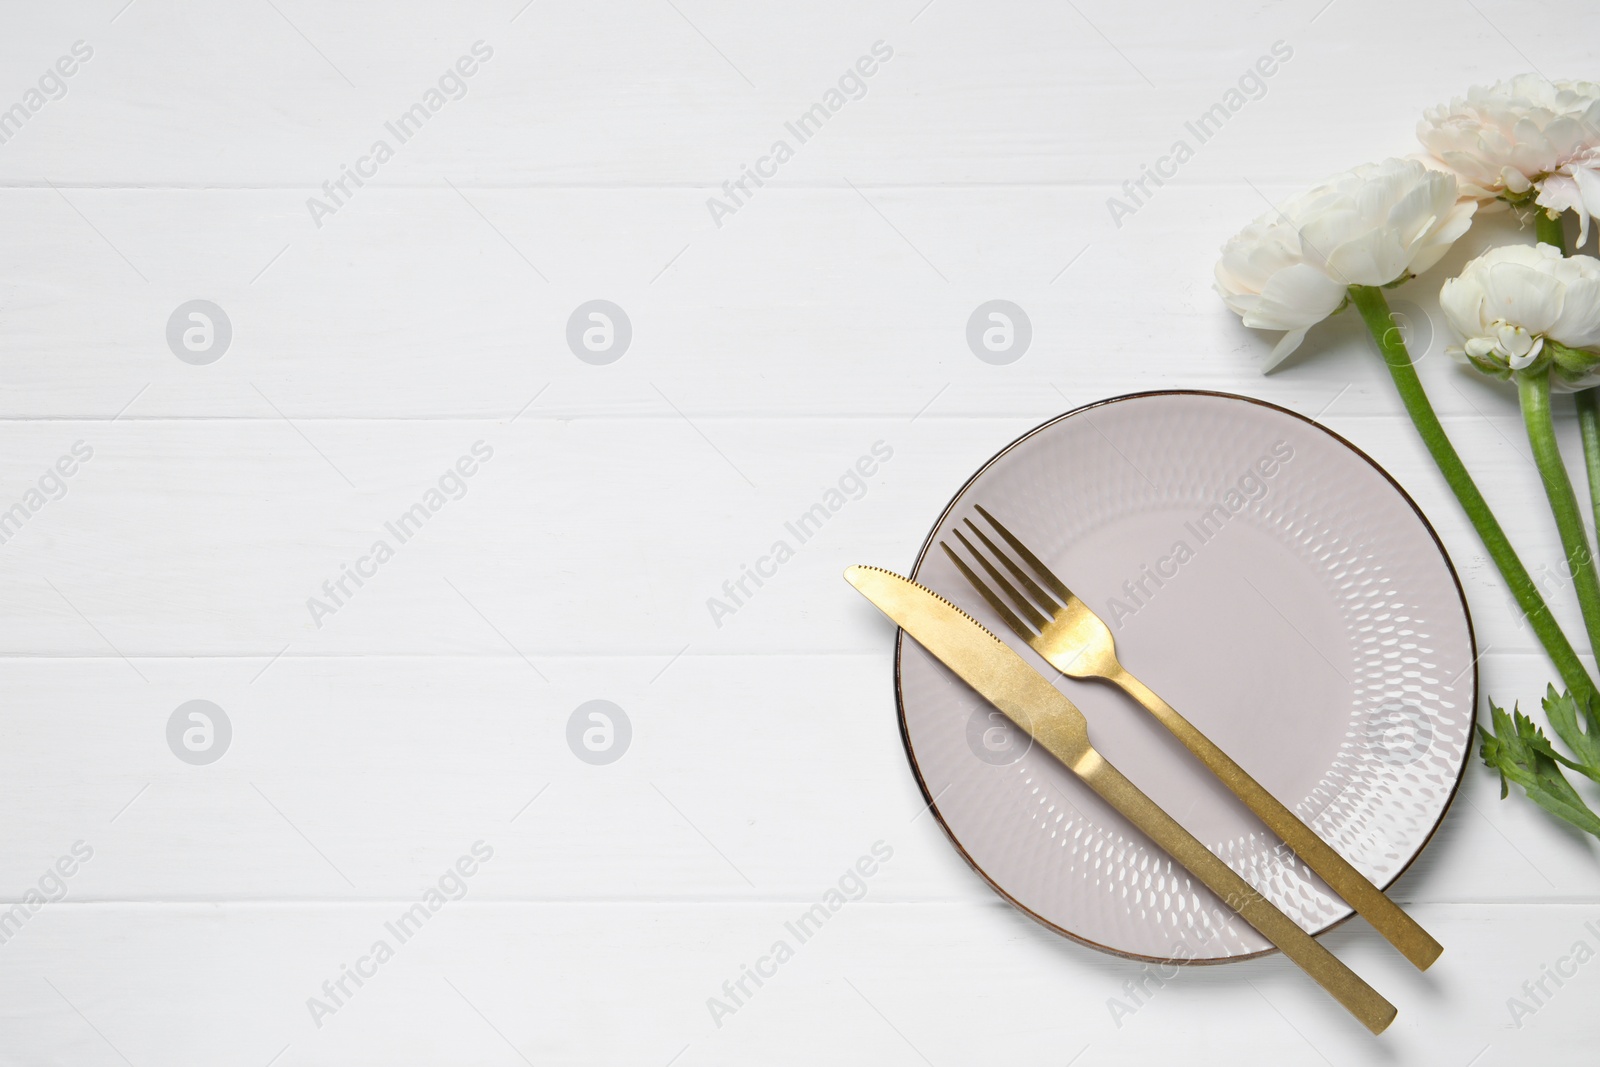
column 1074, row 640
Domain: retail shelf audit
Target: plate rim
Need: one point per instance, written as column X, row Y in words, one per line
column 931, row 801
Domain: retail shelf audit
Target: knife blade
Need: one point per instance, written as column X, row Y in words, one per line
column 1030, row 700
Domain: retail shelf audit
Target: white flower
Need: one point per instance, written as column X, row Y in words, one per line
column 1509, row 302
column 1374, row 225
column 1525, row 134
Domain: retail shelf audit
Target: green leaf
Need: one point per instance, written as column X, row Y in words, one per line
column 1582, row 738
column 1518, row 749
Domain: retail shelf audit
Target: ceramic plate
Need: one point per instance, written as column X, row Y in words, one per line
column 1277, row 588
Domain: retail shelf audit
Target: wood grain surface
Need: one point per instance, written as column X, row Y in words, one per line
column 417, row 323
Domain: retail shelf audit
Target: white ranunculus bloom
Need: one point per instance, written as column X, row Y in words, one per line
column 1510, row 301
column 1525, row 137
column 1374, row 225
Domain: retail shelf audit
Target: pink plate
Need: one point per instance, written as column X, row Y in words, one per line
column 1277, row 588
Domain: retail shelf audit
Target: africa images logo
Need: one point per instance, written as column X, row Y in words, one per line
column 851, row 885
column 451, row 885
column 451, row 85
column 852, row 85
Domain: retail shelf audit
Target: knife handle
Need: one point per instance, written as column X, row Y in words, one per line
column 1360, row 999
column 1370, row 902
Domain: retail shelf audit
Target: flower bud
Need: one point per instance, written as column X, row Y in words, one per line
column 1527, row 308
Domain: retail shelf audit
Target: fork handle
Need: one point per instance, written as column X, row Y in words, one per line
column 1347, row 987
column 1370, row 902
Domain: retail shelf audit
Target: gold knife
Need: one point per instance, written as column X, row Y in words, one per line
column 1026, row 697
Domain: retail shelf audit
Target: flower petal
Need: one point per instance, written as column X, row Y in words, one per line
column 1286, row 346
column 1588, row 182
column 1524, row 296
column 1295, row 298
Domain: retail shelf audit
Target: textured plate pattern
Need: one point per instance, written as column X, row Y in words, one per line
column 1279, row 590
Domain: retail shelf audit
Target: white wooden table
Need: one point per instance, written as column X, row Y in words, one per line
column 376, row 339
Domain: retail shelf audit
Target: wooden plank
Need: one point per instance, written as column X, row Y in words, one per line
column 347, row 778
column 591, row 982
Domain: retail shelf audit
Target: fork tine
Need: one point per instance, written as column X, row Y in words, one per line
column 1040, row 597
column 1033, row 561
column 1017, row 625
column 1018, row 601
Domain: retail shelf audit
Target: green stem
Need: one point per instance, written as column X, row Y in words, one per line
column 1549, row 231
column 1374, row 310
column 1533, row 389
column 1588, row 402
